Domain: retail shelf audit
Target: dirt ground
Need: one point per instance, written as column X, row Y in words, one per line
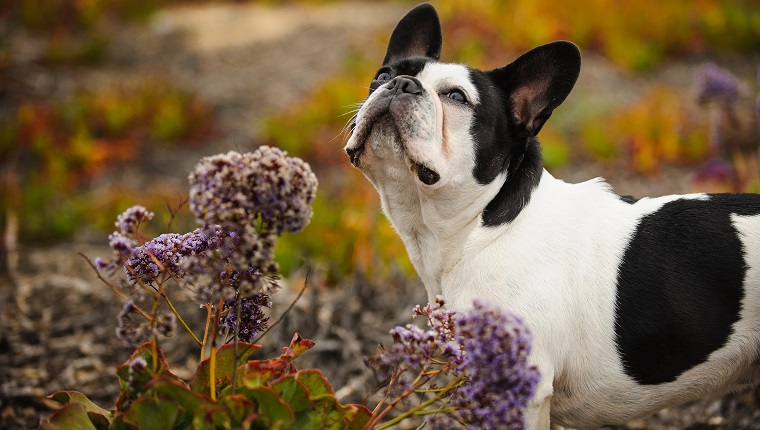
column 57, row 320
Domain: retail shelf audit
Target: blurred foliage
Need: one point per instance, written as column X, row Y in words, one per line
column 661, row 127
column 75, row 31
column 50, row 151
column 635, row 35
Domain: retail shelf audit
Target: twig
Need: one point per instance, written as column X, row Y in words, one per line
column 113, row 287
column 300, row 293
column 235, row 334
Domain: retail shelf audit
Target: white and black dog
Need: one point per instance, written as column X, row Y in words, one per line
column 634, row 305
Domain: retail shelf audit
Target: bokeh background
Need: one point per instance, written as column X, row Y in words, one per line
column 109, row 103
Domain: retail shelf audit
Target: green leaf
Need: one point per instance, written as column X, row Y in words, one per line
column 211, row 418
column 97, row 414
column 272, row 411
column 258, row 372
column 71, row 416
column 133, row 378
column 179, row 392
column 298, row 345
column 323, row 414
column 357, row 416
column 225, row 365
column 239, row 407
column 153, row 414
column 315, row 382
column 119, row 424
column 292, row 392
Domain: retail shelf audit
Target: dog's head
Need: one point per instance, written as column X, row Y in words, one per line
column 447, row 130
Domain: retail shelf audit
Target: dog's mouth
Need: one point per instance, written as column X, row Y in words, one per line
column 425, row 174
column 362, row 132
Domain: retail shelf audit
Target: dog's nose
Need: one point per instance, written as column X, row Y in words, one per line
column 405, row 84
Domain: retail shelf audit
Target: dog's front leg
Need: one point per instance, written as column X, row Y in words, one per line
column 538, row 412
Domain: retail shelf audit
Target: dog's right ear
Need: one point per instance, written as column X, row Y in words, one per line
column 538, row 81
column 418, row 34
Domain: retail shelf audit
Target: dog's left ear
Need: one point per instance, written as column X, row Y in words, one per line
column 539, row 81
column 418, row 34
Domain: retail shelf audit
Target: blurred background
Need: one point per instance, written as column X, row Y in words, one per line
column 109, row 103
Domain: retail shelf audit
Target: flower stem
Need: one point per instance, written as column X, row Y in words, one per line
column 419, row 409
column 238, row 305
column 205, row 330
column 113, row 287
column 179, row 317
column 212, row 359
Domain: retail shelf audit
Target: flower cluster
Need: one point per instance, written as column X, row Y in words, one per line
column 130, row 331
column 734, row 131
column 495, row 348
column 134, row 333
column 716, row 84
column 485, row 350
column 244, row 202
column 234, row 189
column 413, row 346
column 124, row 239
column 252, row 319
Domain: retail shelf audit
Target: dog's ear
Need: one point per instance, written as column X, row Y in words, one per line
column 538, row 81
column 418, row 34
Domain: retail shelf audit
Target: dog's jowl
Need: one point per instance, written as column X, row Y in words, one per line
column 634, row 305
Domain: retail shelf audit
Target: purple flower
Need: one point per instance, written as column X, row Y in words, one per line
column 157, row 256
column 165, row 324
column 121, row 245
column 234, row 190
column 252, row 317
column 129, row 331
column 413, row 346
column 716, row 84
column 129, row 221
column 485, row 346
column 240, row 264
column 496, row 346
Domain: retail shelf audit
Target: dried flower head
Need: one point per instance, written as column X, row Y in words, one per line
column 485, row 349
column 252, row 318
column 233, row 190
column 165, row 324
column 414, row 346
column 716, row 84
column 131, row 332
column 129, row 221
column 495, row 345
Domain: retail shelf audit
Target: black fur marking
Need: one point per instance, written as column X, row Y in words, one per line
column 515, row 102
column 523, row 175
column 680, row 286
column 499, row 146
column 418, row 34
column 629, row 199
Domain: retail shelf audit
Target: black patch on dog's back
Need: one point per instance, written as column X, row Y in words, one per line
column 680, row 286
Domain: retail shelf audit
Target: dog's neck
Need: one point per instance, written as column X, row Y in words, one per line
column 436, row 228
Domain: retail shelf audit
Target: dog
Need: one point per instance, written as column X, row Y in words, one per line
column 634, row 305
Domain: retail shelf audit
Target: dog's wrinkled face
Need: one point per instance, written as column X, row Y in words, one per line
column 450, row 132
column 416, row 124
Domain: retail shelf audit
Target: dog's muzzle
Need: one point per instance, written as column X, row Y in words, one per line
column 397, row 89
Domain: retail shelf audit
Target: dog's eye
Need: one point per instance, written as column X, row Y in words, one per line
column 457, row 96
column 383, row 77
